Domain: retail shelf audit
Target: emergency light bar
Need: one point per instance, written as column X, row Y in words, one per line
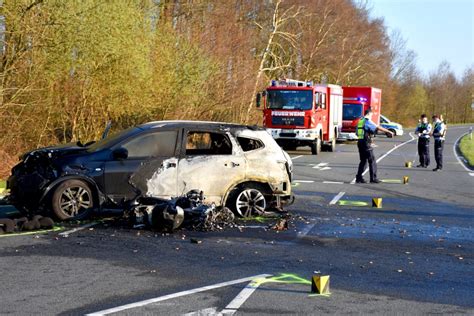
column 356, row 99
column 291, row 83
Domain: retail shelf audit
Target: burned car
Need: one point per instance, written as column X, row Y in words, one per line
column 237, row 166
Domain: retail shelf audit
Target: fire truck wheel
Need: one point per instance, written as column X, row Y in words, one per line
column 316, row 146
column 332, row 145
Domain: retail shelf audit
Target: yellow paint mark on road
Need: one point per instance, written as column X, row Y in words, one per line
column 34, row 232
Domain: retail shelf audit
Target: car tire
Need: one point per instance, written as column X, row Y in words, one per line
column 72, row 199
column 247, row 200
column 316, row 146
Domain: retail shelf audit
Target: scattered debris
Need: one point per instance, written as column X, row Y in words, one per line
column 282, row 224
column 196, row 241
column 187, row 211
column 24, row 224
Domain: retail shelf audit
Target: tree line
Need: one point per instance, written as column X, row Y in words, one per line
column 69, row 67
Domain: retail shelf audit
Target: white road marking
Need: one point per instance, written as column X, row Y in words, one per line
column 456, row 154
column 471, row 174
column 175, row 295
column 305, row 230
column 388, row 153
column 74, row 230
column 322, row 166
column 203, row 312
column 303, row 181
column 240, row 299
column 333, row 182
column 336, row 198
column 296, row 157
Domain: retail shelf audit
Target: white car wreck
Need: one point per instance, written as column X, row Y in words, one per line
column 237, row 166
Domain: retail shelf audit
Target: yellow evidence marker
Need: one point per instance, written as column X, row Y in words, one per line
column 405, row 180
column 408, row 164
column 320, row 284
column 377, row 202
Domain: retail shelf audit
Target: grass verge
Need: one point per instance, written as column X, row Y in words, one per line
column 466, row 146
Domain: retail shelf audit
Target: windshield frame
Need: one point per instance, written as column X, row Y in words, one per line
column 113, row 139
column 307, row 106
column 387, row 121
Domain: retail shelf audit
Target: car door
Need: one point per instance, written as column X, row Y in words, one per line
column 150, row 166
column 211, row 162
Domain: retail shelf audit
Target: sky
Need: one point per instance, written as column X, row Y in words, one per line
column 436, row 30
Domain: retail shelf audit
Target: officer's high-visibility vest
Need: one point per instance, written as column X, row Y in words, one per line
column 360, row 131
column 437, row 129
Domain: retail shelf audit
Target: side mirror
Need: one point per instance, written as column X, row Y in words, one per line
column 259, row 99
column 120, row 153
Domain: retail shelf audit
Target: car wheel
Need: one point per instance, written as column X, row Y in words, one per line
column 72, row 199
column 248, row 200
column 316, row 146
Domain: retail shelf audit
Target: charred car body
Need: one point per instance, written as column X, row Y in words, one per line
column 237, row 166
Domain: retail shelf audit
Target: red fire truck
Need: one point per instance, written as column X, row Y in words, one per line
column 300, row 113
column 356, row 101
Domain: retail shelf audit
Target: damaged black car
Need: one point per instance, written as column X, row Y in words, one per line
column 236, row 166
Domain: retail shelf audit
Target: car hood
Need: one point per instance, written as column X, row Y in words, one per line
column 393, row 125
column 56, row 151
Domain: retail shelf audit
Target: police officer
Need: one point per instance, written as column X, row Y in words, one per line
column 423, row 130
column 438, row 135
column 365, row 131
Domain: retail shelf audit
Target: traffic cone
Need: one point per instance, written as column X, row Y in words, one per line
column 377, row 202
column 320, row 284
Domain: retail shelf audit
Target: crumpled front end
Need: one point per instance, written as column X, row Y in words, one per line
column 29, row 177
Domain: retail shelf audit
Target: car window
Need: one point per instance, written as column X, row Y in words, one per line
column 159, row 144
column 249, row 144
column 207, row 143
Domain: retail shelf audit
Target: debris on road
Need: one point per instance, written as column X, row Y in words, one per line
column 196, row 241
column 188, row 211
column 282, row 224
column 22, row 224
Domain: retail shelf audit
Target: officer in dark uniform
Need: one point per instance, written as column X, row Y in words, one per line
column 365, row 130
column 439, row 130
column 423, row 130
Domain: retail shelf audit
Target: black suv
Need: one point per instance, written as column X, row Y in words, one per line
column 234, row 165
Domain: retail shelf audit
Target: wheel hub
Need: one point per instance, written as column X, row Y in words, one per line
column 74, row 200
column 250, row 202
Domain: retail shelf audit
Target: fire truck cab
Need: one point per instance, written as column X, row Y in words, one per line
column 356, row 101
column 300, row 113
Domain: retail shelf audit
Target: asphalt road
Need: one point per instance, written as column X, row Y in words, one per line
column 414, row 255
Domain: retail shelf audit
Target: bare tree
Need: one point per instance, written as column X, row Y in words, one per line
column 274, row 47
